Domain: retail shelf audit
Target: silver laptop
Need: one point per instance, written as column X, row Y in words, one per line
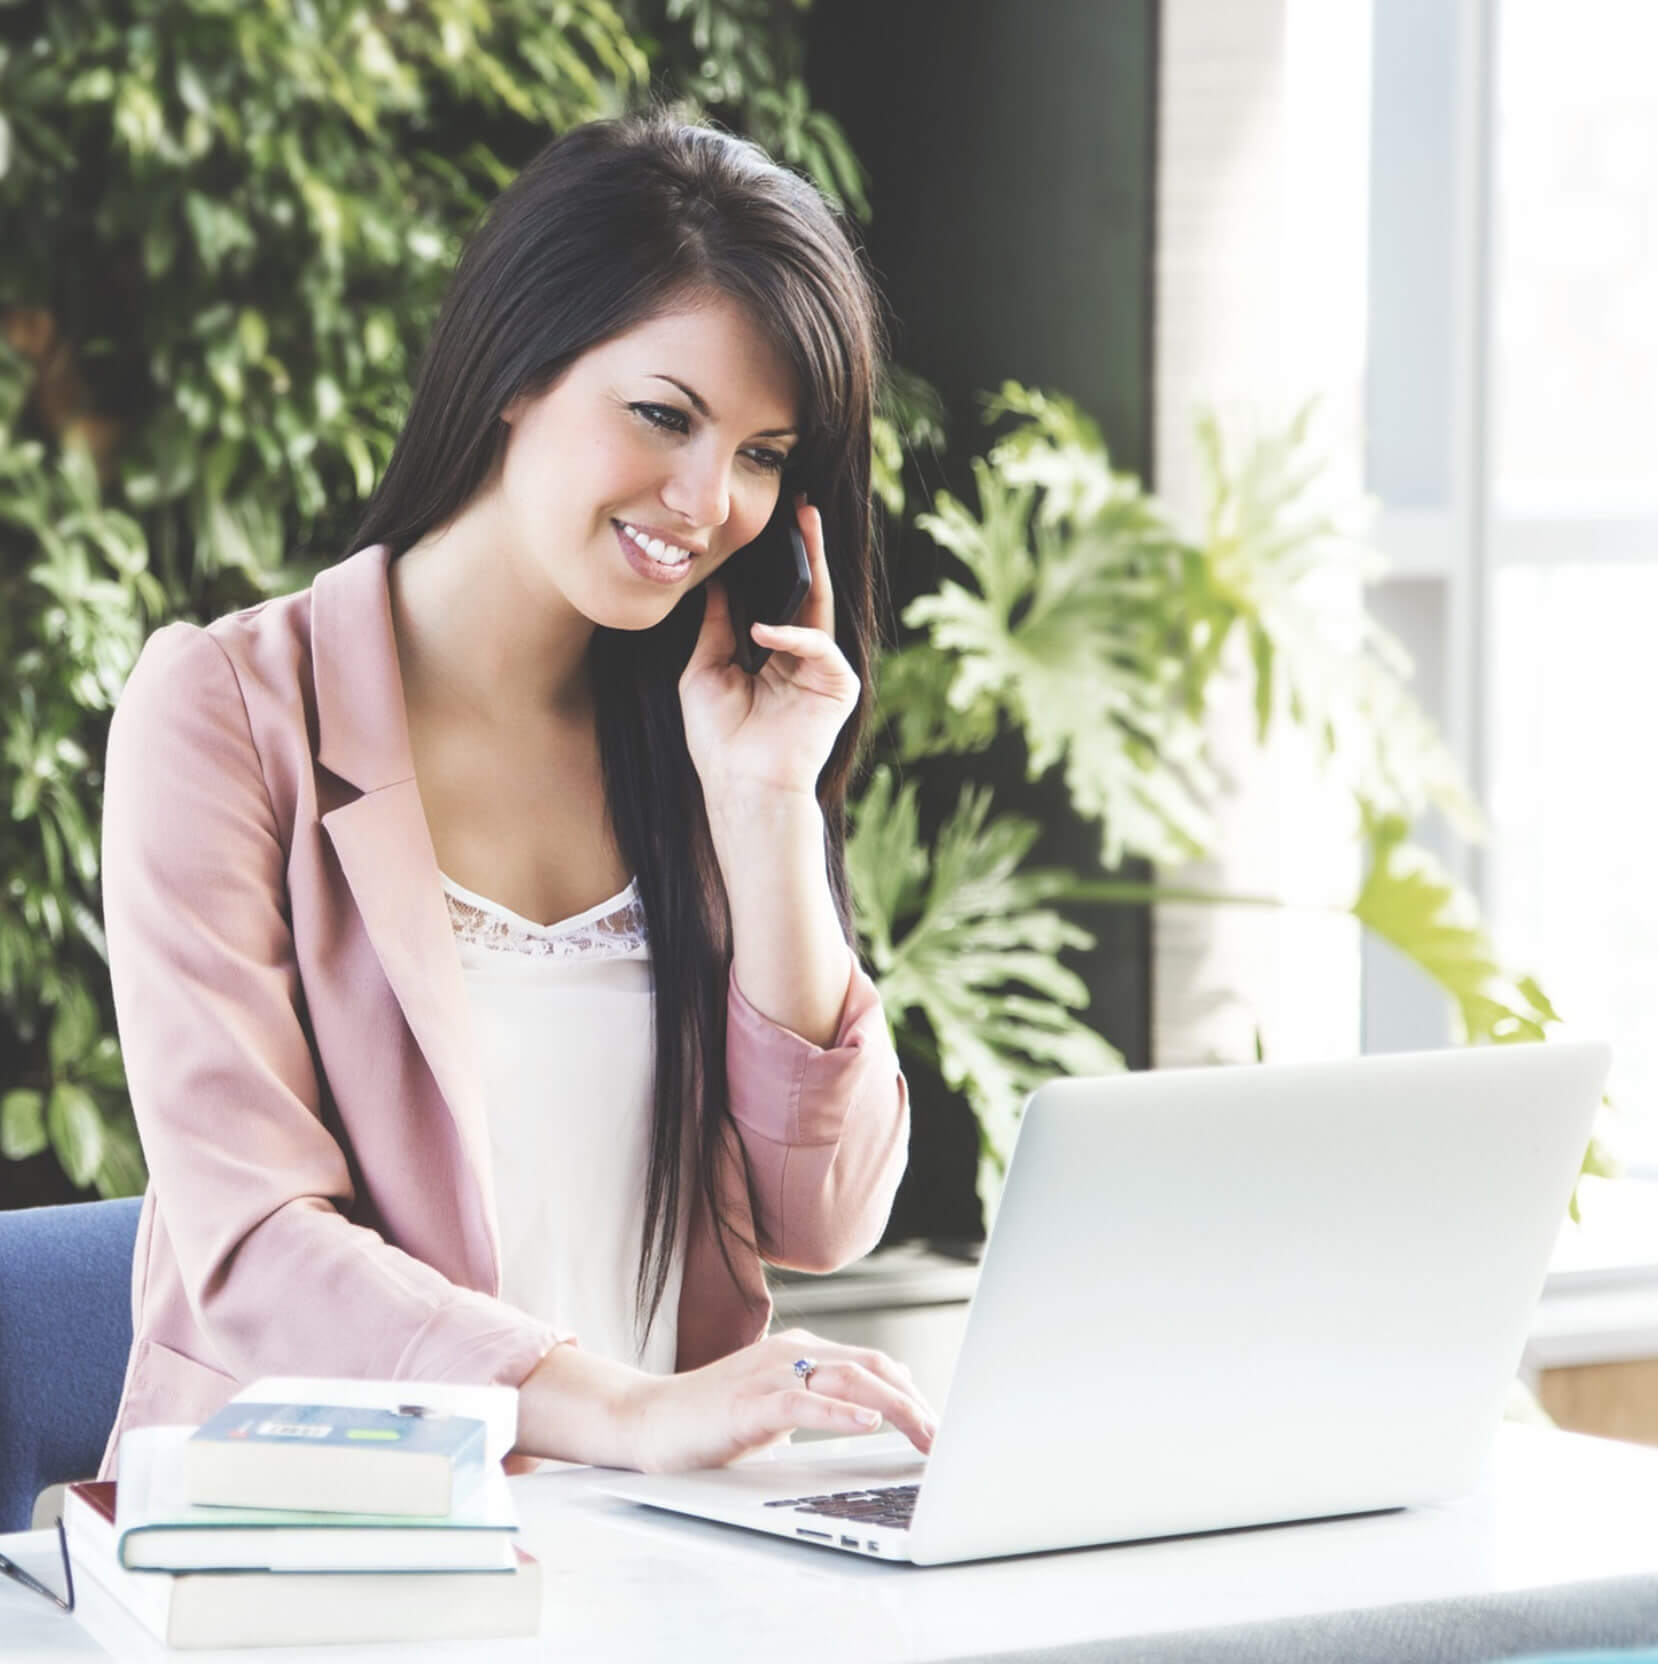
column 1218, row 1297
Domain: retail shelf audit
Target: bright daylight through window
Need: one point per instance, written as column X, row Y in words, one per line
column 1573, row 880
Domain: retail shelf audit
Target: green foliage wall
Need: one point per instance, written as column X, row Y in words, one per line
column 225, row 229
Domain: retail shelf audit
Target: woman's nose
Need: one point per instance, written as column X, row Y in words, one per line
column 700, row 492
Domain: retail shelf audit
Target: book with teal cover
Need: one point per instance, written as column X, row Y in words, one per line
column 251, row 1608
column 159, row 1530
column 334, row 1457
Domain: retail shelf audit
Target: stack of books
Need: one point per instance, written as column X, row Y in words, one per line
column 338, row 1512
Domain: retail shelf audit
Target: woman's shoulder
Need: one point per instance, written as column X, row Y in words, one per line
column 265, row 646
column 269, row 646
column 252, row 682
column 242, row 678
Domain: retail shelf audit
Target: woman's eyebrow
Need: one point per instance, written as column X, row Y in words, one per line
column 708, row 415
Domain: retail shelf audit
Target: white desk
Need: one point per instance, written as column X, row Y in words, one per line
column 1560, row 1547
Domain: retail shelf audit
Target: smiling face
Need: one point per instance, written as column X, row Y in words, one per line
column 676, row 430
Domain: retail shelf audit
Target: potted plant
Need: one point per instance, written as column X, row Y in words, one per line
column 1083, row 622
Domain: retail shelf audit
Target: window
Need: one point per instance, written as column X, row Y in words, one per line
column 1572, row 620
column 1575, row 352
column 1512, row 400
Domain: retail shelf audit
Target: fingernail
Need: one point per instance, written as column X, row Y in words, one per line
column 870, row 1418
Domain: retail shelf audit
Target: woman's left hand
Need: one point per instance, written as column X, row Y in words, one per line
column 772, row 732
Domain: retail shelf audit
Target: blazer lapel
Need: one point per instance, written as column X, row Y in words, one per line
column 385, row 846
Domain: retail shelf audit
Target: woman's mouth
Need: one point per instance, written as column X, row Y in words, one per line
column 650, row 557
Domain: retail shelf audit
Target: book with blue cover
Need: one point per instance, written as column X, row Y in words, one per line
column 354, row 1459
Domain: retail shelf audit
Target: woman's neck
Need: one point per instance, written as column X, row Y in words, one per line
column 478, row 637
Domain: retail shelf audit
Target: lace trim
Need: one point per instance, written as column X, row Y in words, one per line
column 614, row 927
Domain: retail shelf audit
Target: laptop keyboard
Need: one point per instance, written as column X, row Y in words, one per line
column 889, row 1505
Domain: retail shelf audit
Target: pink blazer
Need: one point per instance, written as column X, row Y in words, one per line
column 293, row 1020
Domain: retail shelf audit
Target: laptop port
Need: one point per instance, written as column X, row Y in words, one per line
column 849, row 1542
column 822, row 1536
column 874, row 1547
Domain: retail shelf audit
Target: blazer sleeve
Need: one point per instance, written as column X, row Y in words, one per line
column 826, row 1130
column 250, row 1185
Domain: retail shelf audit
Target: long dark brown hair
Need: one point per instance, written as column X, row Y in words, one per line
column 611, row 224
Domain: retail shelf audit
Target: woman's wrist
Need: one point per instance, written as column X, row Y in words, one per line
column 577, row 1407
column 790, row 954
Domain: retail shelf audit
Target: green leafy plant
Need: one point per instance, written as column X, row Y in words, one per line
column 232, row 227
column 226, row 232
column 958, row 935
column 1085, row 624
column 75, row 595
column 742, row 61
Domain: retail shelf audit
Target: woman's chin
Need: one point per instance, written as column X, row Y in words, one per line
column 634, row 613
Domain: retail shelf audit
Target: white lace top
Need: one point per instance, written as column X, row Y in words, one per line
column 562, row 1019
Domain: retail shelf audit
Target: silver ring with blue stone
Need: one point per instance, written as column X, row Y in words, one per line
column 804, row 1368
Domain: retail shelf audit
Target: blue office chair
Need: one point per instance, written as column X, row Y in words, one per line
column 65, row 1330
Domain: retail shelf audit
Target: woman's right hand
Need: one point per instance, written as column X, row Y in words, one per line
column 710, row 1416
column 587, row 1409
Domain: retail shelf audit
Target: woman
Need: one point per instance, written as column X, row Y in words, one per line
column 479, row 930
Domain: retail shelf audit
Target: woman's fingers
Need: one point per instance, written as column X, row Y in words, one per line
column 710, row 1416
column 766, row 1415
column 818, row 654
column 851, row 1383
column 717, row 638
column 818, row 612
column 865, row 1376
column 801, row 642
column 898, row 1377
column 801, row 1343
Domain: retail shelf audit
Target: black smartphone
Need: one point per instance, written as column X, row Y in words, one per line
column 767, row 580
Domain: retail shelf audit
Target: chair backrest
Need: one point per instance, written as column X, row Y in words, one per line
column 65, row 1331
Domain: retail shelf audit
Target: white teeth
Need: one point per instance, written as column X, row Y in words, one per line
column 666, row 554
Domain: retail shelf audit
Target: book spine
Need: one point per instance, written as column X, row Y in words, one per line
column 90, row 1534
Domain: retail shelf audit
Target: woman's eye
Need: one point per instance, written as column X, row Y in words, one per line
column 676, row 421
column 663, row 416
